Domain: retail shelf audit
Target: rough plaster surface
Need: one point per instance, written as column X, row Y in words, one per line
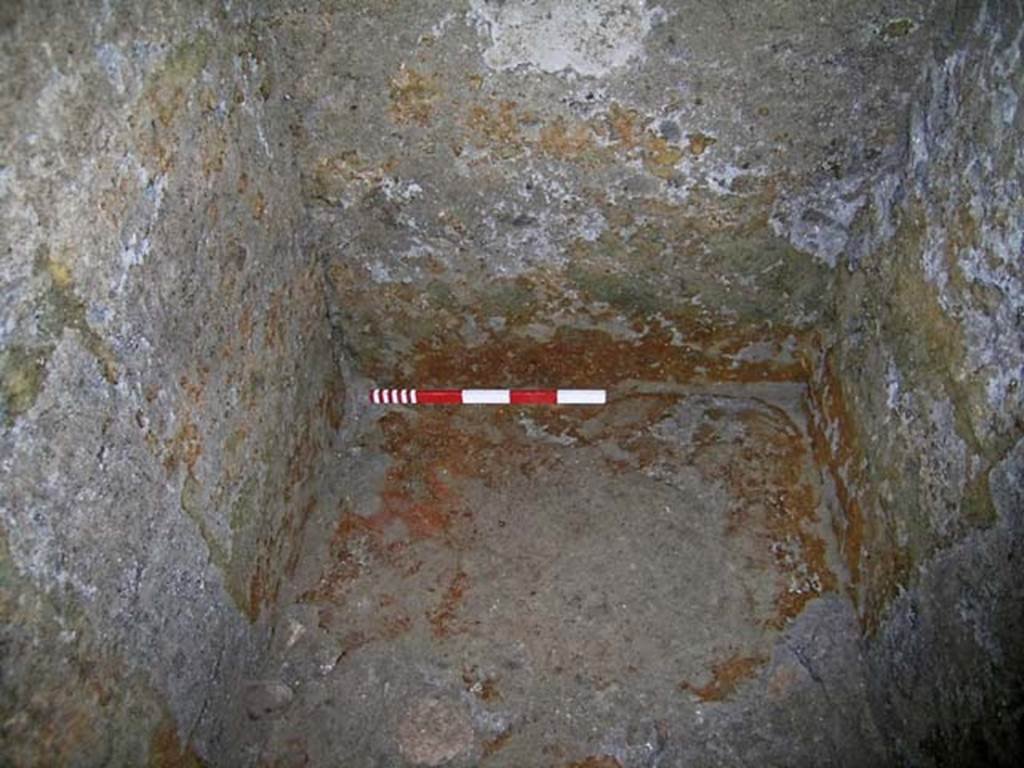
column 929, row 350
column 555, row 37
column 618, row 583
column 204, row 206
column 165, row 381
column 480, row 198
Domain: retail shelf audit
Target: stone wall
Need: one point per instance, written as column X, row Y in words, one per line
column 483, row 173
column 167, row 389
column 189, row 192
column 919, row 404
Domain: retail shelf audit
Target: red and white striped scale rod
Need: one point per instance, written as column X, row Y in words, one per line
column 488, row 396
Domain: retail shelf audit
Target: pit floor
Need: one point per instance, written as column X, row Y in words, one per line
column 537, row 586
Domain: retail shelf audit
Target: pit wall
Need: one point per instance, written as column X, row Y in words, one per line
column 918, row 411
column 167, row 391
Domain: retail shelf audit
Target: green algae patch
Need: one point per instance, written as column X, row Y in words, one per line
column 440, row 294
column 57, row 308
column 192, row 505
column 897, row 29
column 165, row 98
column 978, row 507
column 8, row 573
column 60, row 307
column 220, row 557
column 512, row 299
column 168, row 88
column 632, row 294
column 245, row 506
column 22, row 375
column 782, row 280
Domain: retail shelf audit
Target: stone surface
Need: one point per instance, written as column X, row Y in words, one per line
column 591, row 582
column 786, row 234
column 921, row 407
column 433, row 732
column 166, row 385
column 492, row 172
column 553, row 37
column 266, row 698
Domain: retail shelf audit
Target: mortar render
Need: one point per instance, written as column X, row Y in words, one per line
column 495, row 171
column 167, row 387
column 920, row 409
column 748, row 192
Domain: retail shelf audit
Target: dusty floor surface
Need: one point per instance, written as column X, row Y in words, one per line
column 534, row 586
